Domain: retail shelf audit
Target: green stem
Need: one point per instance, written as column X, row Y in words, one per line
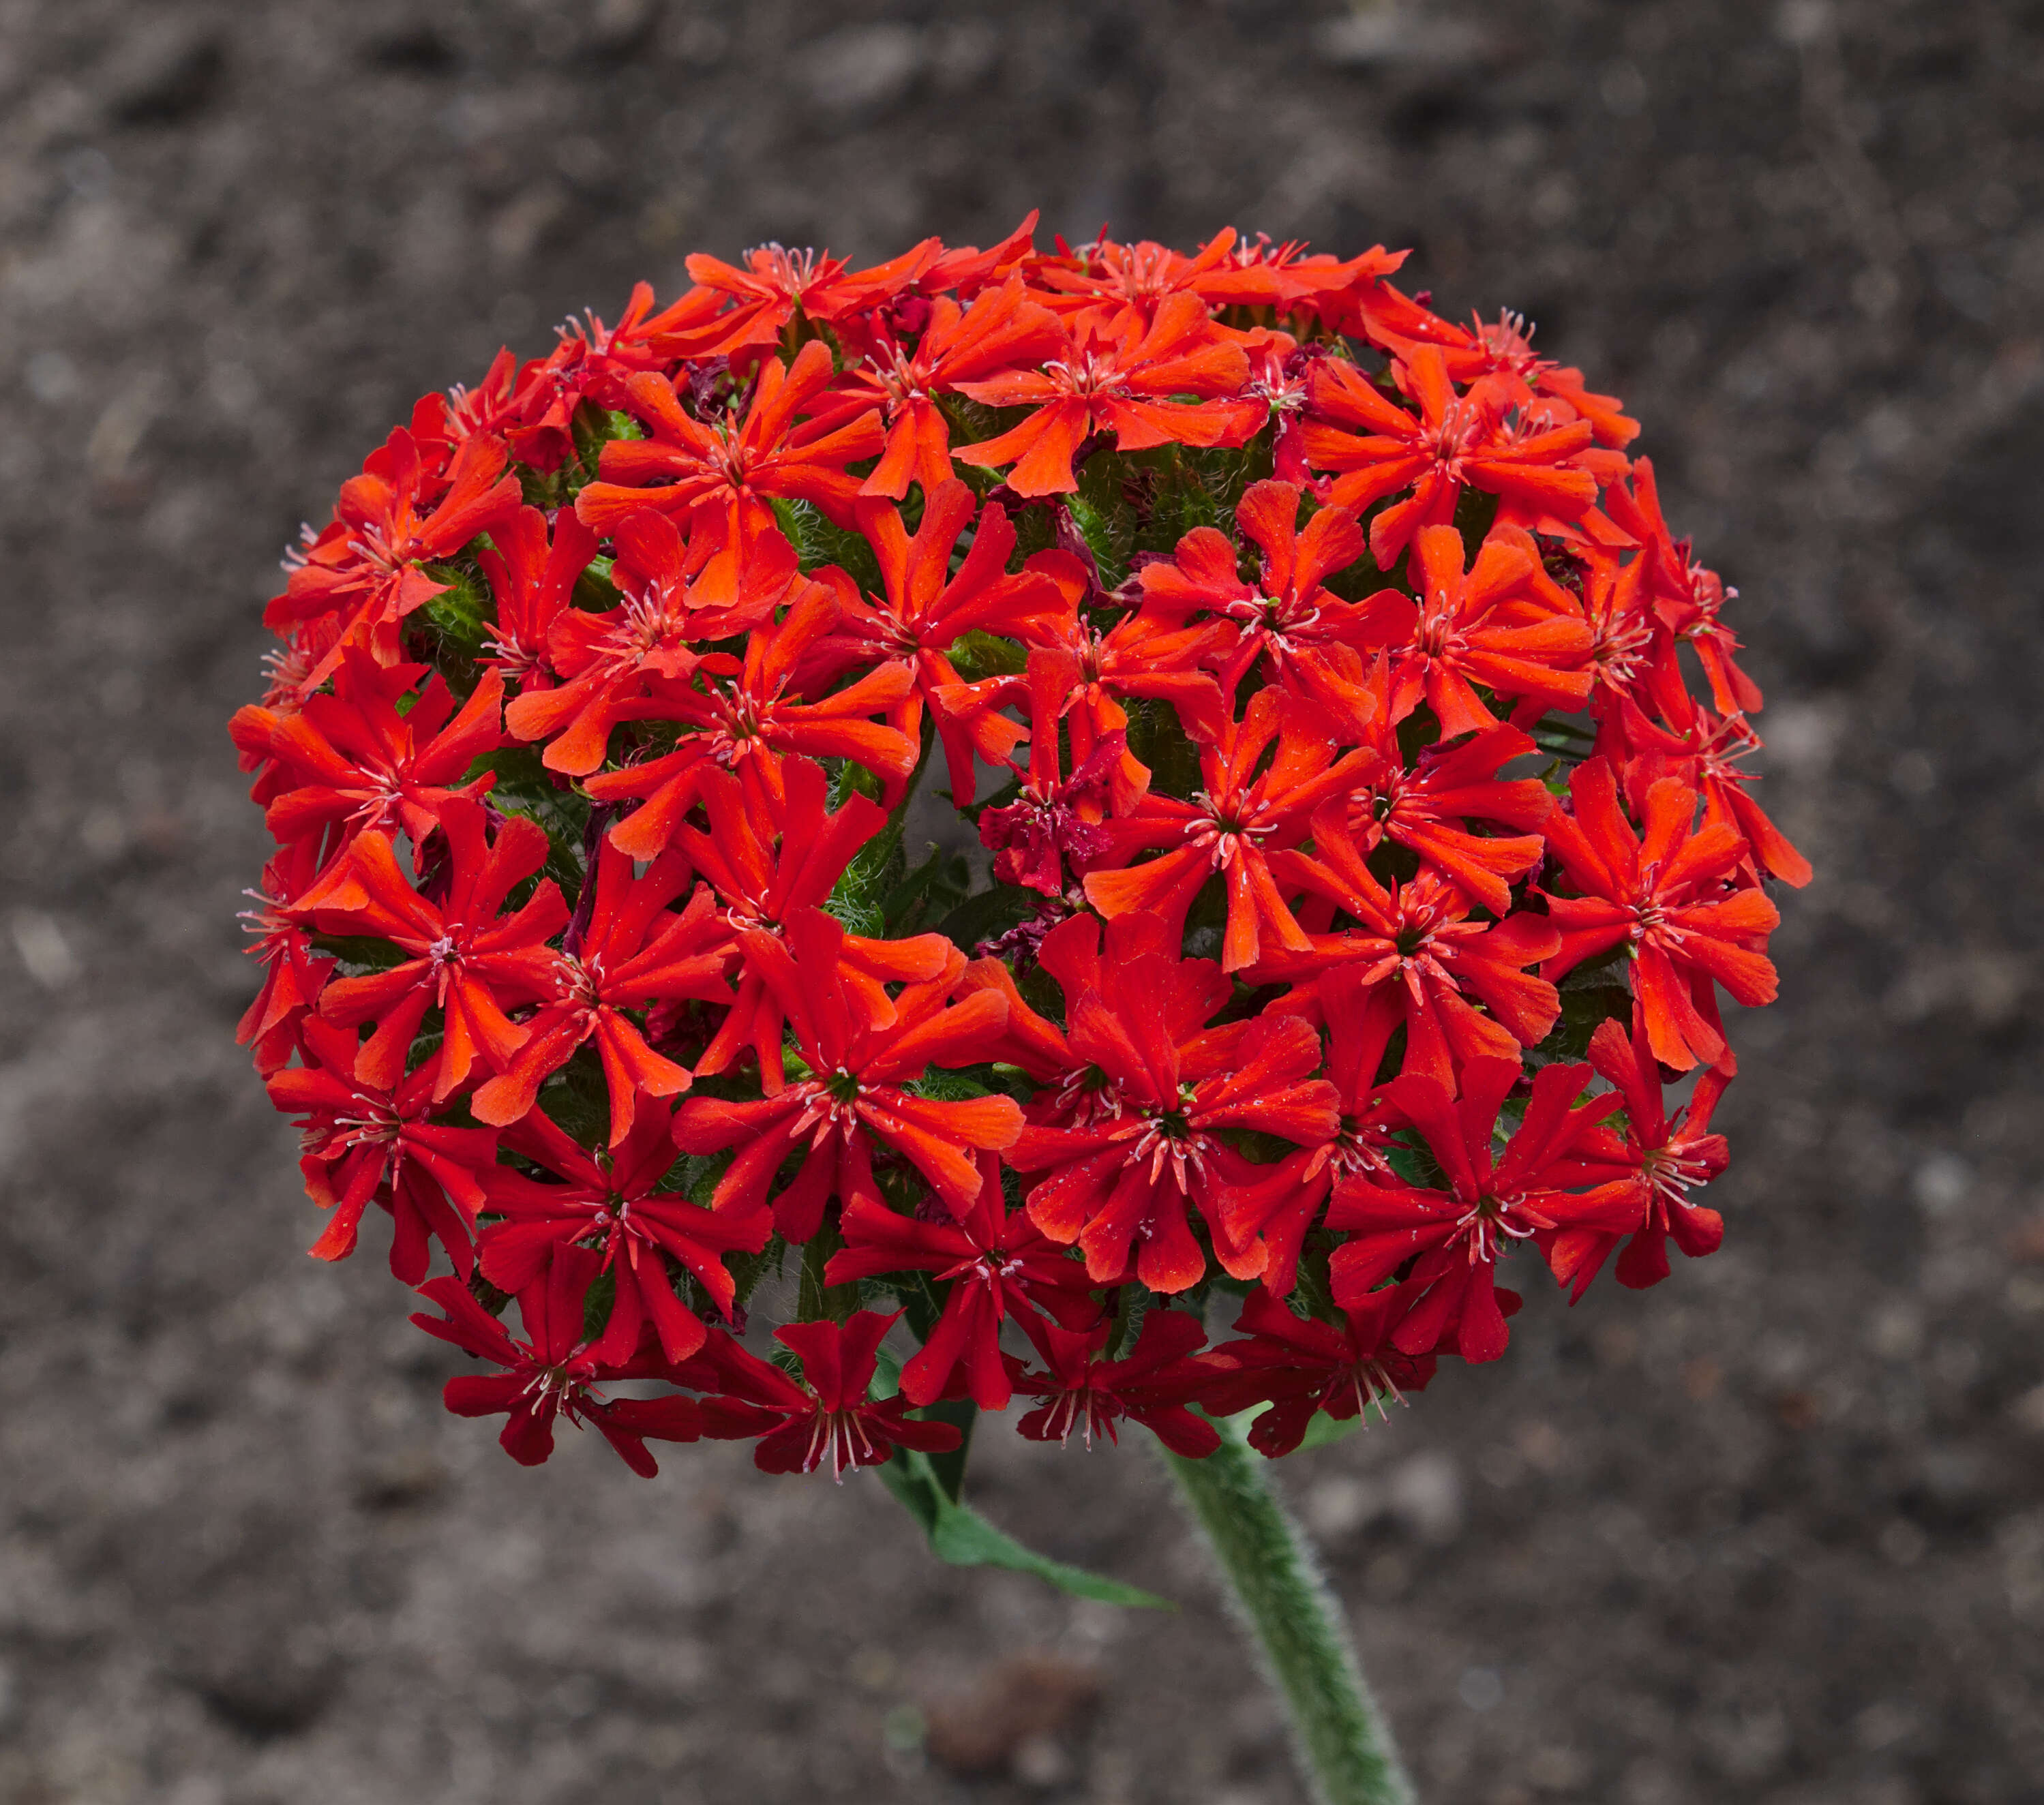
column 1344, row 1744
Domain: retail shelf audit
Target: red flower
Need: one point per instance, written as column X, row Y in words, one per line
column 1688, row 597
column 1456, row 1236
column 364, row 1143
column 462, row 957
column 1661, row 1160
column 613, row 1200
column 599, row 361
column 1417, row 942
column 723, row 473
column 1118, row 286
column 858, row 1096
column 1152, row 1384
column 1127, row 1177
column 1003, row 330
column 828, row 1418
column 1302, row 1365
column 1125, row 381
column 1078, row 682
column 1055, row 821
column 1279, row 1204
column 1497, row 358
column 926, row 607
column 1662, row 896
column 1690, row 742
column 1288, row 614
column 762, row 886
column 554, row 1372
column 1223, row 828
column 292, row 977
column 777, row 284
column 1470, row 628
column 633, row 951
column 613, row 664
column 505, row 405
column 533, row 580
column 1421, row 806
column 997, row 1262
column 349, row 759
column 365, row 567
column 746, row 717
column 1451, row 441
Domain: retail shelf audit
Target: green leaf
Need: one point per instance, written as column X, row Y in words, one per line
column 596, row 1303
column 975, row 654
column 1155, row 737
column 988, row 914
column 454, row 624
column 960, row 1536
column 929, row 893
column 1583, row 1007
column 360, row 952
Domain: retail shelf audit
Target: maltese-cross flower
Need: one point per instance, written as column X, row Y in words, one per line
column 1469, row 629
column 724, row 474
column 613, row 1200
column 1662, row 1159
column 1126, row 1180
column 1152, row 1384
column 856, row 1096
column 1419, row 941
column 1451, row 441
column 828, row 1419
column 366, row 567
column 761, row 885
column 1001, row 330
column 997, row 1263
column 363, row 1143
column 1301, row 1367
column 461, row 957
column 1664, row 896
column 532, row 578
column 926, row 606
column 1127, row 382
column 609, row 663
column 1454, row 1238
column 1427, row 806
column 777, row 284
column 632, row 951
column 349, row 760
column 1224, row 829
column 747, row 716
column 554, row 1372
column 1287, row 613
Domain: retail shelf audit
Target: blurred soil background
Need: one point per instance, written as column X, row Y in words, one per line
column 1772, row 1533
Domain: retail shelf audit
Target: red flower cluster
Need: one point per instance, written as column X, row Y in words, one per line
column 1356, row 749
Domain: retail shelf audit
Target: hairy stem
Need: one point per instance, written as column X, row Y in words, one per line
column 1277, row 1591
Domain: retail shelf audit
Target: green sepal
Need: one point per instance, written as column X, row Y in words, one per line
column 818, row 541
